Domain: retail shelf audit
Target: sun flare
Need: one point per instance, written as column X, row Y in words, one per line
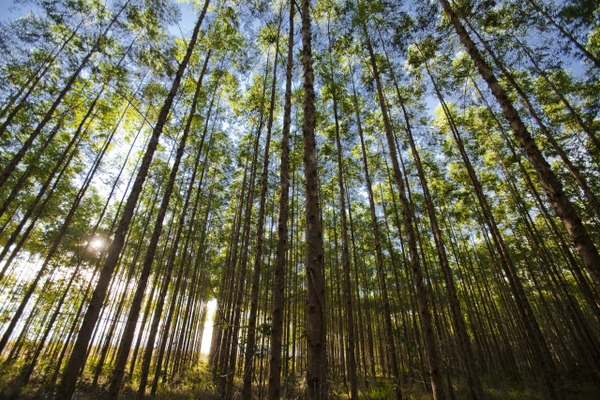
column 97, row 244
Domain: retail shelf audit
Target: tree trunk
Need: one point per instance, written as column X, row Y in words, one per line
column 173, row 252
column 136, row 304
column 346, row 264
column 408, row 216
column 254, row 289
column 316, row 363
column 533, row 332
column 387, row 313
column 274, row 389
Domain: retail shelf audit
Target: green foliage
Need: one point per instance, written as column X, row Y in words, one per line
column 131, row 72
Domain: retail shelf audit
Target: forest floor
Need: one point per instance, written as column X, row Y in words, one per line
column 199, row 385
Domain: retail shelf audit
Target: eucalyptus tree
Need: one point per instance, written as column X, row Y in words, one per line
column 273, row 36
column 414, row 252
column 127, row 338
column 409, row 230
column 464, row 348
column 533, row 331
column 316, row 363
column 279, row 269
column 256, row 110
column 553, row 187
column 77, row 358
column 176, row 247
column 333, row 91
column 60, row 235
column 380, row 261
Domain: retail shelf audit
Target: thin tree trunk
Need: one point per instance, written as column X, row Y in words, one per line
column 465, row 348
column 346, row 265
column 279, row 276
column 316, row 363
column 566, row 34
column 387, row 314
column 348, row 306
column 136, row 304
column 173, row 253
column 254, row 289
column 538, row 344
column 408, row 216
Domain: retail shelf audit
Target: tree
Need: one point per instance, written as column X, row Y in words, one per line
column 282, row 227
column 314, row 262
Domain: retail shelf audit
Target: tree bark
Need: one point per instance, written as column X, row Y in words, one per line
column 408, row 216
column 316, row 363
column 278, row 302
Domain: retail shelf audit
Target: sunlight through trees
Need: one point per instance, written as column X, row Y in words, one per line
column 248, row 199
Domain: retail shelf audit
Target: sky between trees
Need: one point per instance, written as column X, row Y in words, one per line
column 386, row 199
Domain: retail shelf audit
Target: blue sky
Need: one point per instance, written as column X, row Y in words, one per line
column 9, row 11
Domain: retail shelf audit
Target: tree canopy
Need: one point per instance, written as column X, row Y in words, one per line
column 283, row 199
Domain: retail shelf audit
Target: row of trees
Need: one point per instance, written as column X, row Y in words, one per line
column 384, row 197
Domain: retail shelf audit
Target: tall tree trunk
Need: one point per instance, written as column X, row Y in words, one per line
column 231, row 342
column 136, row 304
column 346, row 265
column 465, row 348
column 254, row 289
column 316, row 363
column 277, row 310
column 349, row 309
column 172, row 254
column 532, row 329
column 433, row 358
column 387, row 313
